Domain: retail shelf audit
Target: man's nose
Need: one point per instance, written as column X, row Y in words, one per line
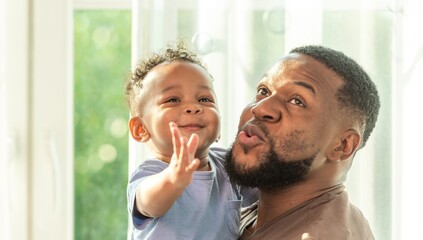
column 268, row 109
column 193, row 108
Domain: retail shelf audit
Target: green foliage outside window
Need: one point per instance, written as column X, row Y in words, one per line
column 102, row 45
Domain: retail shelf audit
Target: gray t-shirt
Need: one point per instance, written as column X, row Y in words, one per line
column 326, row 217
column 209, row 208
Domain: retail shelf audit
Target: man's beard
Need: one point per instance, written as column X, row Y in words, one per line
column 272, row 172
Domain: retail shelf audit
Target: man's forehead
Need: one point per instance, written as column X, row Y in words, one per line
column 302, row 68
column 301, row 63
column 285, row 65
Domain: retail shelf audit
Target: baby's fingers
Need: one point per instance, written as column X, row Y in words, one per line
column 193, row 165
column 183, row 157
column 192, row 145
column 176, row 138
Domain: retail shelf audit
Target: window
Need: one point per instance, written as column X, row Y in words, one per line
column 102, row 47
column 40, row 194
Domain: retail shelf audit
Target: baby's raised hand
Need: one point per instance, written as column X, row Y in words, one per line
column 183, row 163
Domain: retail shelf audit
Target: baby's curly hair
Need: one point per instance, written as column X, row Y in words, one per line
column 174, row 52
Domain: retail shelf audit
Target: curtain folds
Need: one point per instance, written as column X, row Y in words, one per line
column 240, row 39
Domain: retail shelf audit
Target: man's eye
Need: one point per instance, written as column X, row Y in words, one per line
column 205, row 99
column 297, row 101
column 262, row 91
column 172, row 100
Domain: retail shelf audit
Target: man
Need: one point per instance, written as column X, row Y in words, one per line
column 296, row 142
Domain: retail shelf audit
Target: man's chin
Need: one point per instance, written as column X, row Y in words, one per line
column 242, row 160
column 264, row 170
column 237, row 167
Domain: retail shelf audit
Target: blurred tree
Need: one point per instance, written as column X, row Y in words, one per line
column 102, row 46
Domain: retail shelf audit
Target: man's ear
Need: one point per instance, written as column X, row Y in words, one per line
column 138, row 131
column 345, row 147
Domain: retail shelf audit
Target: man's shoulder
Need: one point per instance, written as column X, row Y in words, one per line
column 339, row 219
column 329, row 216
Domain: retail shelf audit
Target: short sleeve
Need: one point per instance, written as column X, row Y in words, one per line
column 147, row 168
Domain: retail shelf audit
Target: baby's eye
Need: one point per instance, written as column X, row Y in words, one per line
column 172, row 100
column 297, row 101
column 205, row 99
column 263, row 91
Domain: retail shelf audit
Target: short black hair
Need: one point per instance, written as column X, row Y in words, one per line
column 359, row 95
column 178, row 51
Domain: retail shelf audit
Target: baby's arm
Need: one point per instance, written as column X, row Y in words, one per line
column 157, row 193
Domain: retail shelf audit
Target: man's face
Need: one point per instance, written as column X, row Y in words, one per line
column 183, row 93
column 284, row 133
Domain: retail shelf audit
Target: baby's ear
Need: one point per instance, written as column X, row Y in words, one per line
column 345, row 147
column 138, row 131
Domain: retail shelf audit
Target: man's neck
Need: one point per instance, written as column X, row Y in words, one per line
column 274, row 203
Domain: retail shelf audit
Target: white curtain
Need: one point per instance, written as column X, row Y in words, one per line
column 241, row 39
column 407, row 117
column 13, row 114
column 36, row 121
column 4, row 226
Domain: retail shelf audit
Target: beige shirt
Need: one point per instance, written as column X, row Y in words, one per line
column 326, row 217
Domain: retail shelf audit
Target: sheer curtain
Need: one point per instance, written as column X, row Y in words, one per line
column 4, row 229
column 241, row 39
column 13, row 114
column 407, row 117
column 36, row 162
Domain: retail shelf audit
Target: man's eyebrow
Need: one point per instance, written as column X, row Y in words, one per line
column 306, row 85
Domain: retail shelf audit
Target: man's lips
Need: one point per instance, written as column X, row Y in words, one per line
column 250, row 136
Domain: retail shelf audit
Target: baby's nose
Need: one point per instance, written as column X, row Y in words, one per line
column 193, row 109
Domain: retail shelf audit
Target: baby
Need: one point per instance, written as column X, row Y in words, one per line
column 183, row 192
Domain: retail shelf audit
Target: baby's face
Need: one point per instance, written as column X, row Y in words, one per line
column 183, row 93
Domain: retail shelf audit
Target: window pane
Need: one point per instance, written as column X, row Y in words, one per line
column 102, row 42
